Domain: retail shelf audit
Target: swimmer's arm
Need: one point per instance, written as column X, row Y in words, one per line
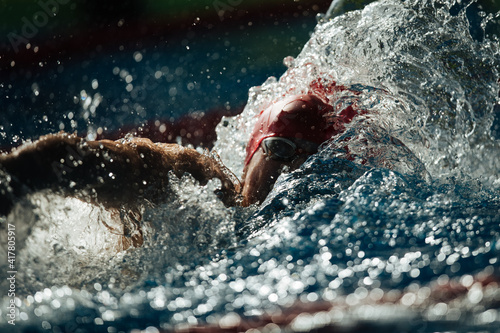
column 114, row 173
column 203, row 167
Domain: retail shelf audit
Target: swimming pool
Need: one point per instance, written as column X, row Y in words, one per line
column 408, row 241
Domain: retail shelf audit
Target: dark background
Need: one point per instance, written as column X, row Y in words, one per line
column 145, row 60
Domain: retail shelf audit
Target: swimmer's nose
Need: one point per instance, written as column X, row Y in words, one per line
column 261, row 174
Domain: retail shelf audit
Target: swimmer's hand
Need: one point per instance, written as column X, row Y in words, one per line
column 111, row 173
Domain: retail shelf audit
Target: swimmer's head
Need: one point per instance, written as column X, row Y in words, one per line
column 285, row 134
column 301, row 118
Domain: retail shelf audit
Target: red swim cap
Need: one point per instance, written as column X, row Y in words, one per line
column 301, row 116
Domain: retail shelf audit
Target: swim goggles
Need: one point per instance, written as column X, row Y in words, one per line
column 284, row 149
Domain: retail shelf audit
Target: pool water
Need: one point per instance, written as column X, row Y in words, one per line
column 403, row 238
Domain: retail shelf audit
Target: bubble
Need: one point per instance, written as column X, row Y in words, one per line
column 475, row 295
column 229, row 321
column 138, row 56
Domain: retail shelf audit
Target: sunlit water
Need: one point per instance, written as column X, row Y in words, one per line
column 379, row 241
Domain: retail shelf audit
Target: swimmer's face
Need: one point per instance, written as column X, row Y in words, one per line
column 264, row 168
column 285, row 134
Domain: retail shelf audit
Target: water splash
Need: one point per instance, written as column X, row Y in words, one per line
column 433, row 86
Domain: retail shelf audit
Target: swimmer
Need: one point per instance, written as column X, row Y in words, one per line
column 126, row 171
column 131, row 172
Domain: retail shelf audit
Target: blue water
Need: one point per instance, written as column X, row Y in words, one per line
column 403, row 242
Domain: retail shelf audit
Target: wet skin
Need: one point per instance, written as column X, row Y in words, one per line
column 112, row 173
column 261, row 173
column 139, row 166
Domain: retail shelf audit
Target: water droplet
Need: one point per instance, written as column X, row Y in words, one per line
column 138, row 56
